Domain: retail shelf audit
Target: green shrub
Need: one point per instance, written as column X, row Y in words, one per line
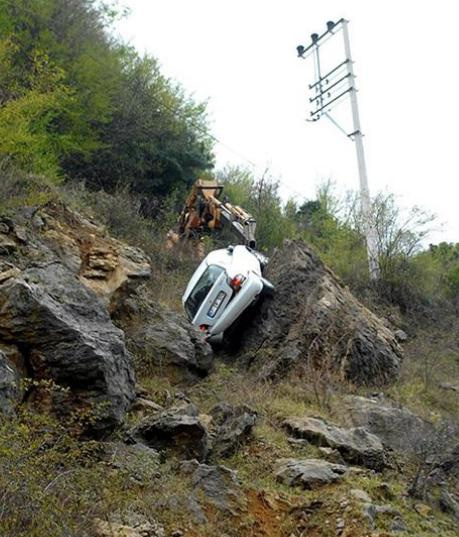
column 20, row 189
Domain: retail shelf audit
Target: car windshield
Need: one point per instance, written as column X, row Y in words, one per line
column 201, row 289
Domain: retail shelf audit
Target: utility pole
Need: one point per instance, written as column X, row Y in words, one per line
column 328, row 91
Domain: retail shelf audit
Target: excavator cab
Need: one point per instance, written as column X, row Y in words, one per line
column 205, row 211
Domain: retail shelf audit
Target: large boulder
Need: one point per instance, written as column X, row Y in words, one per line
column 308, row 473
column 109, row 267
column 66, row 335
column 313, row 320
column 396, row 426
column 177, row 431
column 213, row 485
column 356, row 445
column 163, row 341
column 231, row 427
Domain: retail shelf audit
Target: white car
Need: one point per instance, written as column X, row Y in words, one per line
column 224, row 285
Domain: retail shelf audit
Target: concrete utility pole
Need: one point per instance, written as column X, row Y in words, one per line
column 329, row 90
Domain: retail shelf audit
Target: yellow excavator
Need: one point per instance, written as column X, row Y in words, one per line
column 205, row 211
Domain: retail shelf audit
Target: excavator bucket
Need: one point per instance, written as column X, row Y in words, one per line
column 201, row 210
column 204, row 211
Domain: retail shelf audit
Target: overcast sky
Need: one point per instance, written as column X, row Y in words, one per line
column 241, row 56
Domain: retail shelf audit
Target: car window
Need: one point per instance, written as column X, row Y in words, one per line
column 201, row 289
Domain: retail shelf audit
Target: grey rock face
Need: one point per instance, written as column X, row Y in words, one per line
column 449, row 503
column 401, row 335
column 177, row 430
column 69, row 338
column 398, row 525
column 356, row 445
column 9, row 391
column 314, row 320
column 397, row 427
column 308, row 473
column 372, row 511
column 164, row 341
column 129, row 524
column 232, row 427
column 218, row 485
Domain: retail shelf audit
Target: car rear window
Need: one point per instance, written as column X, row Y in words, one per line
column 201, row 289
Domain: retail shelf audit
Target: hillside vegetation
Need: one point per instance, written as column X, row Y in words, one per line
column 97, row 151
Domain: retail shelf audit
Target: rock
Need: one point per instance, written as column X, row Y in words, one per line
column 449, row 503
column 139, row 526
column 448, row 462
column 450, row 387
column 214, row 485
column 70, row 340
column 165, row 342
column 232, row 426
column 308, row 473
column 397, row 427
column 314, row 321
column 398, row 524
column 59, row 273
column 356, row 445
column 8, row 244
column 340, row 525
column 371, row 511
column 12, row 272
column 146, row 405
column 299, row 442
column 401, row 336
column 57, row 234
column 177, row 430
column 332, row 455
column 139, row 462
column 422, row 509
column 9, row 390
column 15, row 358
column 360, row 495
column 110, row 268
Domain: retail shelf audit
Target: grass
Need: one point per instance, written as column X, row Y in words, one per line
column 431, row 358
column 52, row 483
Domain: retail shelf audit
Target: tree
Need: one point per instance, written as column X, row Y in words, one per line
column 261, row 198
column 86, row 106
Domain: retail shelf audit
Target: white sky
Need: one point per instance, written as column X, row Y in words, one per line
column 241, row 55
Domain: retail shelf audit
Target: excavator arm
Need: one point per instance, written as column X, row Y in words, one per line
column 204, row 211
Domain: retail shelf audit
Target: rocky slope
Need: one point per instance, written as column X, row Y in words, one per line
column 313, row 320
column 61, row 276
column 194, row 446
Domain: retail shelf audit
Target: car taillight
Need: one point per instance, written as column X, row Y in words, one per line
column 217, row 303
column 236, row 282
column 203, row 327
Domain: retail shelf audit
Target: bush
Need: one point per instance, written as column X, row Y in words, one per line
column 19, row 189
column 49, row 481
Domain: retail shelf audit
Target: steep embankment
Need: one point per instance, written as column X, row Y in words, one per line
column 274, row 443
